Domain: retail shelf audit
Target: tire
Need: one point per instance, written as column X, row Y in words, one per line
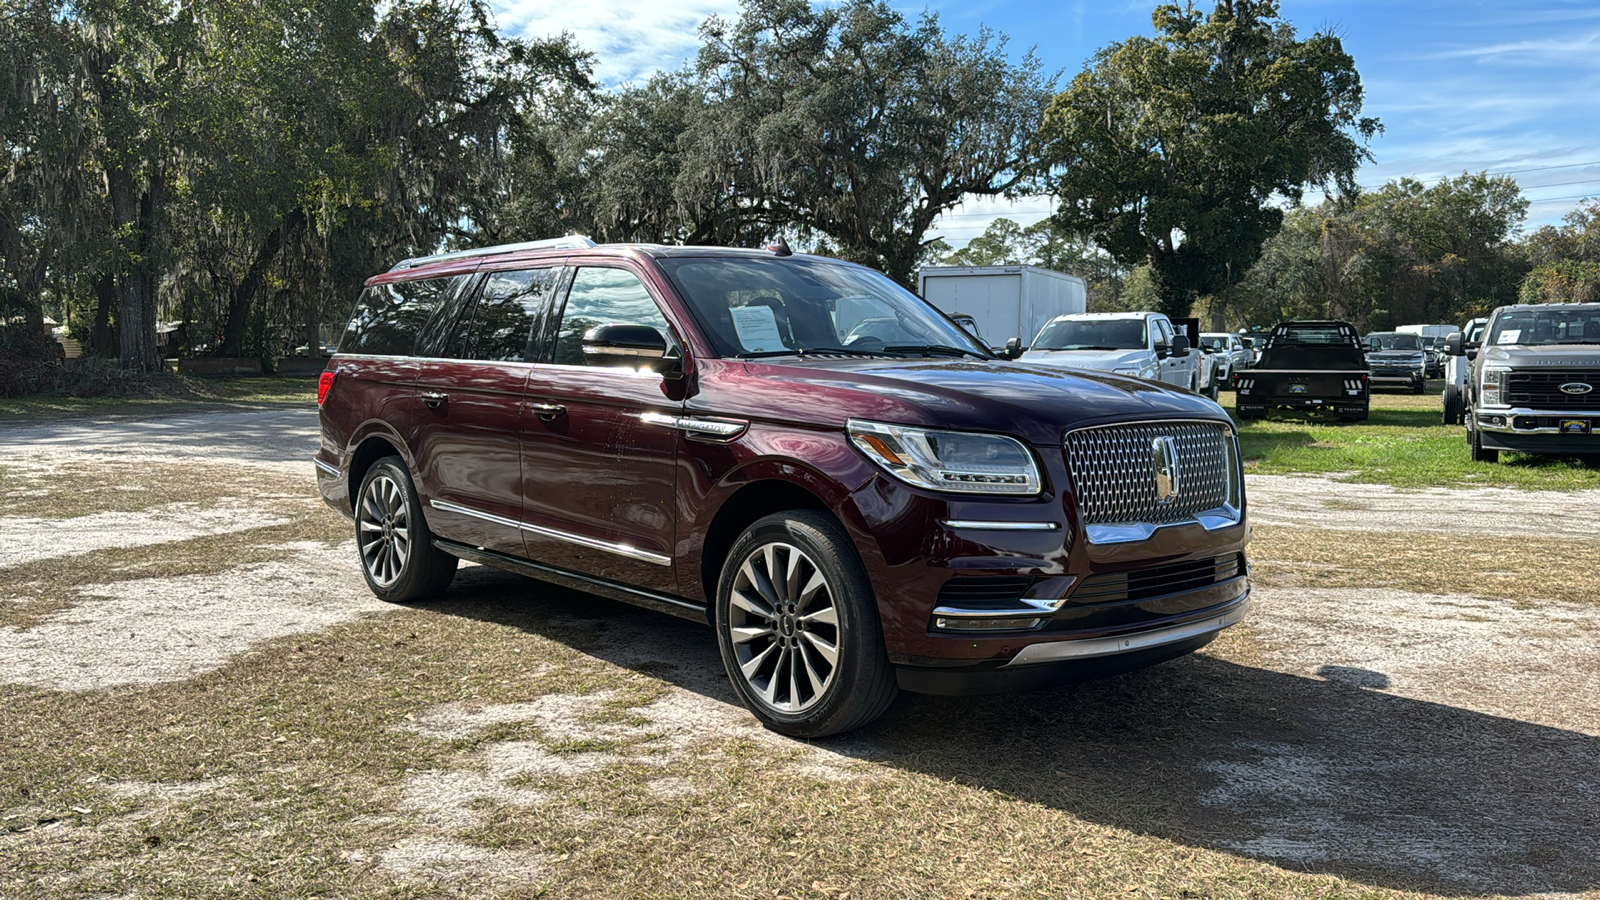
column 1452, row 405
column 1479, row 452
column 776, row 636
column 1214, row 390
column 393, row 542
column 1419, row 387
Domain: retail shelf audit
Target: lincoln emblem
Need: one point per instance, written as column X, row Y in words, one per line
column 1164, row 453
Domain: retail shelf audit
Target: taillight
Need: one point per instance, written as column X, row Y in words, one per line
column 325, row 384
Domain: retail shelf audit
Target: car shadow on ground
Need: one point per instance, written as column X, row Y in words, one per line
column 1321, row 774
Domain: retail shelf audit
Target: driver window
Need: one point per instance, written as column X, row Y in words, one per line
column 604, row 297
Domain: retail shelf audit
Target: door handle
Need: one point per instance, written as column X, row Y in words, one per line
column 434, row 399
column 548, row 411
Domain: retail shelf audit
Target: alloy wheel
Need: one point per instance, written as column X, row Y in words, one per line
column 384, row 530
column 784, row 624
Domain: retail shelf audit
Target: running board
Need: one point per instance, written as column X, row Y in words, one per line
column 675, row 606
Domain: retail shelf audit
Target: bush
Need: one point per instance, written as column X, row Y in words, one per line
column 30, row 361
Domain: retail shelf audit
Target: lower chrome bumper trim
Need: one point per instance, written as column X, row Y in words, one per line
column 1034, row 654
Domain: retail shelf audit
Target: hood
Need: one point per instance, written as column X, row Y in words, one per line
column 1099, row 360
column 1032, row 402
column 1531, row 356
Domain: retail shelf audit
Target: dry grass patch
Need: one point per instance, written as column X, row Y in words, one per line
column 1476, row 564
column 32, row 592
column 62, row 488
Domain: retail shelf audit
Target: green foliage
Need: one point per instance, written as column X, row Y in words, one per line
column 1170, row 150
column 1403, row 254
column 850, row 123
column 1566, row 260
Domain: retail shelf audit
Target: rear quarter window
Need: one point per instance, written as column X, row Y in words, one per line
column 389, row 317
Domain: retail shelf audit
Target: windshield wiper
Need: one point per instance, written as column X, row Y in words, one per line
column 933, row 350
column 811, row 351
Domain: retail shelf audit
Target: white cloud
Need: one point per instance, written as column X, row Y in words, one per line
column 631, row 40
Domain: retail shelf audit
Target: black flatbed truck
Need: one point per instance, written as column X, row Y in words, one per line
column 1315, row 365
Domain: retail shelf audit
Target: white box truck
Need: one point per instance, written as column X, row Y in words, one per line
column 1003, row 301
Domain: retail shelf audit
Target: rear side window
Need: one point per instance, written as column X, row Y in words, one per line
column 389, row 317
column 509, row 316
column 603, row 297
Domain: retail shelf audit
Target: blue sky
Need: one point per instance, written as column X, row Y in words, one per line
column 1508, row 87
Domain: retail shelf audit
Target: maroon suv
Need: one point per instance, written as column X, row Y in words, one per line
column 851, row 490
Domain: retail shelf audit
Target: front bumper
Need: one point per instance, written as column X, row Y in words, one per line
column 1046, row 665
column 1526, row 430
column 968, row 586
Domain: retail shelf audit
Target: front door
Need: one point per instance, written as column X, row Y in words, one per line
column 597, row 479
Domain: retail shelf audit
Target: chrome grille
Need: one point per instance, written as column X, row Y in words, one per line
column 1114, row 469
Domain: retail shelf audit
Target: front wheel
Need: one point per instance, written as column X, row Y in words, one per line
column 1452, row 405
column 397, row 553
column 798, row 627
column 1480, row 453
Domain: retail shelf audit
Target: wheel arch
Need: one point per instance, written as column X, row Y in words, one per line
column 749, row 503
column 371, row 449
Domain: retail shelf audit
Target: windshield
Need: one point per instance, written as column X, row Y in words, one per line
column 750, row 306
column 1092, row 334
column 1389, row 340
column 1548, row 325
column 1217, row 343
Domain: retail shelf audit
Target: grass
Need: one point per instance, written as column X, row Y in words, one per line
column 1403, row 444
column 292, row 770
column 172, row 394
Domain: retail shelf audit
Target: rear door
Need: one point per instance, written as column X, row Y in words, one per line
column 597, row 478
column 473, row 408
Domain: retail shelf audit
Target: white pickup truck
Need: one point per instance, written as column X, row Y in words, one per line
column 1143, row 344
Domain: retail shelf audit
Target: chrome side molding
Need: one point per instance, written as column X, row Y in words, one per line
column 627, row 550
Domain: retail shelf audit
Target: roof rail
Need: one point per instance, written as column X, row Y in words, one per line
column 570, row 242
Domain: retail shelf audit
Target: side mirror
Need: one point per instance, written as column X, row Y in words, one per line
column 1013, row 349
column 623, row 345
column 1180, row 345
column 1452, row 344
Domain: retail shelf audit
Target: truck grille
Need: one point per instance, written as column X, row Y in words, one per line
column 1542, row 390
column 1115, row 470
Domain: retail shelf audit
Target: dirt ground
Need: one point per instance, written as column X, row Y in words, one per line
column 1349, row 741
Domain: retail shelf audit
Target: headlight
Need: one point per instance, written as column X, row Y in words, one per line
column 949, row 460
column 1492, row 387
column 1125, row 371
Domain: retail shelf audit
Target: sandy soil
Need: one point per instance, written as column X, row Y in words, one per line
column 168, row 629
column 26, row 539
column 1313, row 502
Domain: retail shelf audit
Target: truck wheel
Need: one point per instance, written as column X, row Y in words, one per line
column 398, row 558
column 1419, row 387
column 1452, row 405
column 1213, row 390
column 798, row 627
column 1480, row 453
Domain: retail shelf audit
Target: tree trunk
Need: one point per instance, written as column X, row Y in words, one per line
column 244, row 293
column 133, row 215
column 102, row 339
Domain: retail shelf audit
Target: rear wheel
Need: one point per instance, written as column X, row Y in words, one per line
column 798, row 627
column 398, row 558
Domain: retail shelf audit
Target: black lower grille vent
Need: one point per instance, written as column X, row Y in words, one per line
column 980, row 592
column 1159, row 581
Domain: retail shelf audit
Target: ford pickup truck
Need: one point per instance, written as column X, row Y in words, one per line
column 1534, row 382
